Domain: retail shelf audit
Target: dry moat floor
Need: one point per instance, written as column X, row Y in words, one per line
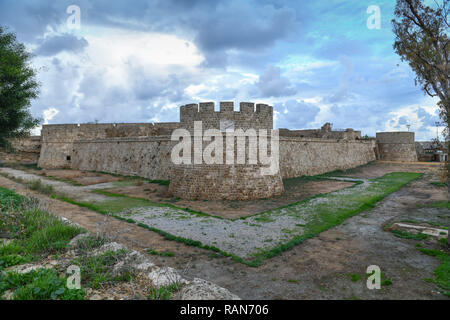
column 314, row 242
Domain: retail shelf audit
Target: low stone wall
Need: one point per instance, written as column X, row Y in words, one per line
column 147, row 157
column 26, row 150
column 396, row 146
column 308, row 156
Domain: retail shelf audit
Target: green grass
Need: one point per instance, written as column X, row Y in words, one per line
column 164, row 292
column 38, row 186
column 162, row 254
column 34, row 232
column 407, row 235
column 439, row 184
column 43, row 284
column 97, row 270
column 354, row 277
column 442, row 204
column 120, row 202
column 442, row 272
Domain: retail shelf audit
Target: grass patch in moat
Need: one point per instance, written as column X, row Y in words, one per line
column 439, row 184
column 408, row 235
column 442, row 204
column 33, row 232
column 120, row 202
column 442, row 272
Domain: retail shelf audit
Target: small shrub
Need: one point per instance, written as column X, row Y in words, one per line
column 43, row 284
column 163, row 293
column 38, row 186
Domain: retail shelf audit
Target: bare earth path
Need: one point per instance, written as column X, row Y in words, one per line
column 318, row 268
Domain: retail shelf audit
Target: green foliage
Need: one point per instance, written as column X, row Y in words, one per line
column 442, row 204
column 407, row 235
column 38, row 186
column 35, row 232
column 439, row 184
column 18, row 87
column 10, row 199
column 422, row 39
column 87, row 244
column 43, row 284
column 97, row 270
column 162, row 254
column 386, row 282
column 354, row 277
column 164, row 292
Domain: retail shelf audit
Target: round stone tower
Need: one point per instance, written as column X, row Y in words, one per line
column 228, row 155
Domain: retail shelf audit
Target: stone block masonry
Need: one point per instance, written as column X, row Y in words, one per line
column 246, row 118
column 147, row 157
column 313, row 156
column 58, row 140
column 225, row 181
column 396, row 146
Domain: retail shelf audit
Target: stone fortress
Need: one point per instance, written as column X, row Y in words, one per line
column 144, row 149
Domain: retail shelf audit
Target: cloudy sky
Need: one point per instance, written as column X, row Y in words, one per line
column 138, row 61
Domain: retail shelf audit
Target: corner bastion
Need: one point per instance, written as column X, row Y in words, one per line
column 396, row 146
column 238, row 180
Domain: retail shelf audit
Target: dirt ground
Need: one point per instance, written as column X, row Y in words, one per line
column 320, row 267
column 84, row 178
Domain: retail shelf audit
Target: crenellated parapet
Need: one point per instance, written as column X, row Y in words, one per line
column 247, row 117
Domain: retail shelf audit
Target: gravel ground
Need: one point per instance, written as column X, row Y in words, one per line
column 243, row 237
column 80, row 193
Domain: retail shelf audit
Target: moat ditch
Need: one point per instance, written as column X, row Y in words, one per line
column 324, row 266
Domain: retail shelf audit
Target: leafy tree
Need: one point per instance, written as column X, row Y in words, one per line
column 18, row 87
column 422, row 39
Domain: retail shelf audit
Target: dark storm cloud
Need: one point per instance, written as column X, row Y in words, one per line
column 53, row 45
column 295, row 115
column 272, row 84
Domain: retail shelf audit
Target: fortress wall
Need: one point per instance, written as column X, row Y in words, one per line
column 309, row 156
column 396, row 146
column 58, row 140
column 348, row 134
column 147, row 157
column 151, row 158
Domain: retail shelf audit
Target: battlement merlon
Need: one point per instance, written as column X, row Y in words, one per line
column 187, row 112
